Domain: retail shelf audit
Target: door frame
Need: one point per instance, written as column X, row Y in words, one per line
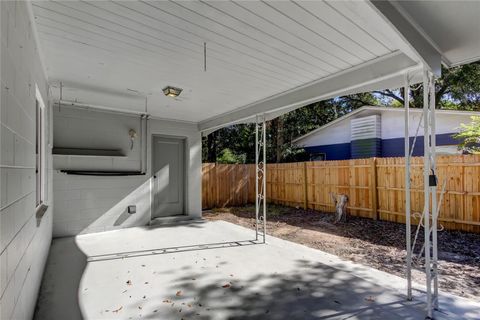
column 185, row 173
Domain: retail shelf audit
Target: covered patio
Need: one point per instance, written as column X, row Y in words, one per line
column 104, row 104
column 157, row 273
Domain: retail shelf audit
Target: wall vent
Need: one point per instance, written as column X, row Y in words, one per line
column 366, row 137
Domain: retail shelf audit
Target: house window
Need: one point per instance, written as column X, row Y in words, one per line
column 39, row 150
column 318, row 157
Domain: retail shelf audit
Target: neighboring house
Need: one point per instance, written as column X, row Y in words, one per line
column 378, row 132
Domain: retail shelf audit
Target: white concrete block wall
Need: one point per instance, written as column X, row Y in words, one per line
column 85, row 204
column 24, row 241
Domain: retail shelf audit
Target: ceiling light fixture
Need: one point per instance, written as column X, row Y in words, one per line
column 170, row 91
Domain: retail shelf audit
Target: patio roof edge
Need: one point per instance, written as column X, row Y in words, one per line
column 380, row 73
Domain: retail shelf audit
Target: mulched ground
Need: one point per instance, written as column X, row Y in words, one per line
column 378, row 244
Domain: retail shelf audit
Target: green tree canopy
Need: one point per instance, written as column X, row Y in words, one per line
column 469, row 136
column 458, row 88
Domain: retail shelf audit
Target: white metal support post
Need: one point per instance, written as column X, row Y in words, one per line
column 430, row 191
column 408, row 231
column 426, row 174
column 257, row 207
column 433, row 154
column 260, row 177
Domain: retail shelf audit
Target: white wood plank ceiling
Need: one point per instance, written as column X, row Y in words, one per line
column 254, row 50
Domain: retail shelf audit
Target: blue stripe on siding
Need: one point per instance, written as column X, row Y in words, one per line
column 388, row 147
column 339, row 151
column 395, row 147
column 366, row 148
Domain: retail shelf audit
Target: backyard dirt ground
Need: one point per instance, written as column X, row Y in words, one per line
column 378, row 244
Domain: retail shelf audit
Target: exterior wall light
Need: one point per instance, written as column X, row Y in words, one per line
column 173, row 92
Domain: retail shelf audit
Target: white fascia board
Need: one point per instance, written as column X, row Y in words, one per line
column 380, row 73
column 394, row 82
column 425, row 49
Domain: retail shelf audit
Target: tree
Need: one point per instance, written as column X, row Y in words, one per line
column 227, row 156
column 458, row 88
column 212, row 147
column 470, row 136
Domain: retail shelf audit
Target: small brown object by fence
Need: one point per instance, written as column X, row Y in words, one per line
column 340, row 201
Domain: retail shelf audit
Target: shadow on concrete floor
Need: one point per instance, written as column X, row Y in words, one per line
column 279, row 280
column 61, row 281
column 317, row 291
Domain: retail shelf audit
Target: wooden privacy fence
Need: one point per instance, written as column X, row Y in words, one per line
column 375, row 187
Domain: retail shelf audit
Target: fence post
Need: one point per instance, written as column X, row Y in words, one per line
column 373, row 187
column 305, row 187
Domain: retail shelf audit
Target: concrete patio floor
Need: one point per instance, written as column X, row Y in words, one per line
column 212, row 270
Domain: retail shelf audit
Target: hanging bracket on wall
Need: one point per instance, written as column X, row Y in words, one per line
column 133, row 135
column 103, row 173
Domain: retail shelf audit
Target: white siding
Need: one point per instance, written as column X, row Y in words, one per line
column 24, row 241
column 334, row 134
column 393, row 123
column 85, row 204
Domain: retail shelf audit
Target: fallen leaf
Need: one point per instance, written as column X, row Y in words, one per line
column 129, row 283
column 116, row 311
column 179, row 293
column 227, row 285
column 370, row 299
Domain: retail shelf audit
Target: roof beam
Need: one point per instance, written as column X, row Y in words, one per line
column 374, row 75
column 431, row 57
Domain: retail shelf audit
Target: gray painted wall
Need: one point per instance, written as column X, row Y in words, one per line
column 85, row 204
column 24, row 241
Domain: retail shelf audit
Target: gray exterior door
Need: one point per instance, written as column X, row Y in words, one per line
column 168, row 176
